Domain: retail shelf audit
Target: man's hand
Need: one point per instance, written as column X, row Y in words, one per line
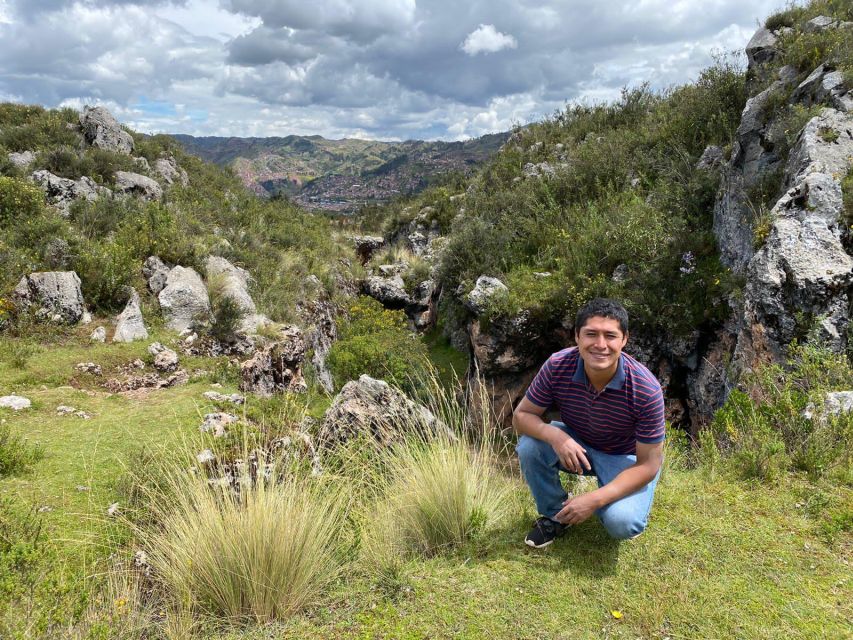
column 572, row 456
column 576, row 510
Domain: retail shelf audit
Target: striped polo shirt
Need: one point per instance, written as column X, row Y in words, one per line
column 628, row 410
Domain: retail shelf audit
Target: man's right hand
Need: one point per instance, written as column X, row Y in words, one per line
column 572, row 456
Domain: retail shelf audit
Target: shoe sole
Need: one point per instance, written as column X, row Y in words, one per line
column 533, row 545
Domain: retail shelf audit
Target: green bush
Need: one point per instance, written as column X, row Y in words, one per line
column 379, row 343
column 16, row 453
column 106, row 270
column 19, row 201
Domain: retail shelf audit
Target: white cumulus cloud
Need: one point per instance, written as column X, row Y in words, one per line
column 487, row 39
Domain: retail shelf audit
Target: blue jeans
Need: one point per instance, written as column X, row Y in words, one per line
column 624, row 518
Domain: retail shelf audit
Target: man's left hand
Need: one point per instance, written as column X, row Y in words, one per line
column 576, row 510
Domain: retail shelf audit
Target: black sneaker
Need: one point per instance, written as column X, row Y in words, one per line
column 544, row 532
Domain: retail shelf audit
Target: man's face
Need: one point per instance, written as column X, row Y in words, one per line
column 600, row 341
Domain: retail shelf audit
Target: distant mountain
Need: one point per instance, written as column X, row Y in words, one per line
column 340, row 175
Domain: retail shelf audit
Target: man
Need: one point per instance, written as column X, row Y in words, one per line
column 612, row 425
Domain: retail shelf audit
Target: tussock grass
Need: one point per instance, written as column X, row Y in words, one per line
column 262, row 555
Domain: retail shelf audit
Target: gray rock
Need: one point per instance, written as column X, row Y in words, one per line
column 22, row 160
column 88, row 367
column 366, row 246
column 234, row 284
column 485, row 290
column 233, row 398
column 102, row 130
column 16, row 403
column 170, row 172
column 216, row 423
column 820, row 23
column 156, row 272
column 373, row 407
column 62, row 192
column 65, row 409
column 824, row 146
column 391, row 292
column 142, row 164
column 56, row 295
column 321, row 332
column 761, row 47
column 205, row 457
column 712, row 157
column 136, row 184
column 184, row 299
column 788, row 74
column 538, row 170
column 277, row 367
column 98, row 335
column 129, row 323
column 166, row 360
column 838, row 402
column 391, row 270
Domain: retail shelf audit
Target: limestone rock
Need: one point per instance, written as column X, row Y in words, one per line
column 485, row 290
column 170, row 172
column 712, row 157
column 277, row 367
column 321, row 332
column 216, row 423
column 391, row 291
column 136, row 184
column 62, row 192
column 366, row 246
column 509, row 345
column 22, row 160
column 184, row 299
column 102, row 130
column 820, row 23
column 55, row 294
column 166, row 360
column 99, row 335
column 129, row 323
column 88, row 367
column 373, row 407
column 761, row 47
column 16, row 403
column 234, row 283
column 233, row 398
column 156, row 272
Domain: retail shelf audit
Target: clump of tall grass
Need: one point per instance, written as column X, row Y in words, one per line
column 17, row 454
column 259, row 554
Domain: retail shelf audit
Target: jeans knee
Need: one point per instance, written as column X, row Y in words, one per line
column 528, row 449
column 623, row 524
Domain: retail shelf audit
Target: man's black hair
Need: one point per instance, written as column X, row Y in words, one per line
column 603, row 308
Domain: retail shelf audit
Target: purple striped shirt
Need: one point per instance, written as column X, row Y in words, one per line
column 628, row 410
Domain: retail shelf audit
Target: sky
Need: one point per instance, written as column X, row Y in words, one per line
column 375, row 69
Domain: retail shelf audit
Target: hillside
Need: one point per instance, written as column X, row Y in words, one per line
column 341, row 175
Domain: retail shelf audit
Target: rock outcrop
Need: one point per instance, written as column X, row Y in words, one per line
column 156, row 272
column 170, row 172
column 366, row 246
column 23, row 159
column 56, row 296
column 62, row 192
column 102, row 130
column 184, row 300
column 277, row 367
column 318, row 316
column 135, row 184
column 374, row 408
column 129, row 323
column 233, row 283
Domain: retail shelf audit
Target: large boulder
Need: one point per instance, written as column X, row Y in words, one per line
column 62, row 192
column 55, row 294
column 374, row 408
column 184, row 300
column 234, row 284
column 761, row 47
column 170, row 172
column 277, row 367
column 129, row 323
column 484, row 292
column 102, row 130
column 390, row 291
column 136, row 184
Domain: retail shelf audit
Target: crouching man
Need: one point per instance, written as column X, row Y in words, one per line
column 612, row 425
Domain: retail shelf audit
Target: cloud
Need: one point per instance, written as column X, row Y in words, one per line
column 487, row 39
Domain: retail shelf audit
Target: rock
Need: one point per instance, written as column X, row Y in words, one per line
column 372, row 407
column 156, row 272
column 88, row 367
column 417, row 242
column 146, row 381
column 16, row 403
column 62, row 192
column 113, row 510
column 390, row 292
column 136, row 184
column 170, row 172
column 215, row 396
column 838, row 402
column 65, row 409
column 166, row 360
column 99, row 335
column 82, row 415
column 277, row 367
column 391, row 270
column 761, row 47
column 58, row 254
column 788, row 74
column 216, row 423
column 820, row 23
column 55, row 294
column 484, row 292
column 102, row 130
column 366, row 246
column 129, row 323
column 142, row 164
column 509, row 345
column 154, row 348
column 184, row 299
column 318, row 316
column 422, row 310
column 22, row 160
column 712, row 157
column 234, row 283
column 621, row 273
column 205, row 457
column 538, row 170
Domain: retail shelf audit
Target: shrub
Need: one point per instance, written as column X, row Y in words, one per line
column 19, row 201
column 261, row 556
column 227, row 313
column 16, row 453
column 106, row 270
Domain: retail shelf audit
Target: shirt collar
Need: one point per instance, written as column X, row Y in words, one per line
column 616, row 382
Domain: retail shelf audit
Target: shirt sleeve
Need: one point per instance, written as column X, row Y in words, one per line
column 540, row 392
column 651, row 426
